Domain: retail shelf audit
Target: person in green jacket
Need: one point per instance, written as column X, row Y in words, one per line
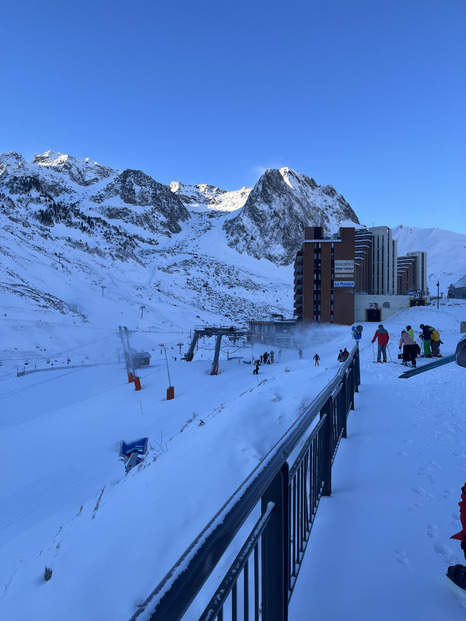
column 410, row 331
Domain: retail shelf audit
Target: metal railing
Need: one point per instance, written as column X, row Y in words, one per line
column 285, row 489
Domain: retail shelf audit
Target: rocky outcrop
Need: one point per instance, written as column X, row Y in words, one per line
column 55, row 187
column 136, row 188
column 84, row 172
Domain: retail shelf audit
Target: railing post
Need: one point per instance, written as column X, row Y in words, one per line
column 326, row 448
column 275, row 558
column 357, row 373
column 350, row 387
column 344, row 406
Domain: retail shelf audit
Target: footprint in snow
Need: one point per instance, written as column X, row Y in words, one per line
column 422, row 492
column 446, row 553
column 441, row 549
column 401, row 557
column 432, row 530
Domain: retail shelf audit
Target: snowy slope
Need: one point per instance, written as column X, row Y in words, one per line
column 108, row 537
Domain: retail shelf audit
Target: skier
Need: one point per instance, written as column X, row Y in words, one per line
column 382, row 339
column 344, row 355
column 457, row 573
column 340, row 356
column 300, row 353
column 256, row 369
column 272, row 357
column 316, row 358
column 408, row 349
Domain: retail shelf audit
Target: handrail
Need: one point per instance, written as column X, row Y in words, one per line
column 193, row 568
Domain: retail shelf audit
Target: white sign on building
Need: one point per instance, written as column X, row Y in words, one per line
column 344, row 266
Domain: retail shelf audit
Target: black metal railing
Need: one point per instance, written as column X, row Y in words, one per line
column 285, row 490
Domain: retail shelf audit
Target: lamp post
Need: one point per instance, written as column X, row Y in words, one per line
column 438, row 294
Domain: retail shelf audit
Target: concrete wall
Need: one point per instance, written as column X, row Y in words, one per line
column 361, row 303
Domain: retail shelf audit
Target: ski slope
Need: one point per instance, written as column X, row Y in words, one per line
column 110, row 537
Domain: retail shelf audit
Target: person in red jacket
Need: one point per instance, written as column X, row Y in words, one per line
column 382, row 339
column 457, row 573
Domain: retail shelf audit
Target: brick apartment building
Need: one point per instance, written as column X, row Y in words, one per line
column 354, row 275
column 324, row 277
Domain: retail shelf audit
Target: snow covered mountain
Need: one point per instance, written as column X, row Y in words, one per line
column 282, row 203
column 203, row 197
column 73, row 230
column 92, row 229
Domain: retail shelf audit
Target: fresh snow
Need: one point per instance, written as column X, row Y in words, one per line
column 380, row 545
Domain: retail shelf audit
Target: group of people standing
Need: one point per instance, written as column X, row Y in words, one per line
column 410, row 349
column 265, row 358
column 431, row 341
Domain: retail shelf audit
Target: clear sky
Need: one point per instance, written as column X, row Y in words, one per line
column 367, row 96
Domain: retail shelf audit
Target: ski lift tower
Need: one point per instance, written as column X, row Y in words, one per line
column 219, row 333
column 124, row 335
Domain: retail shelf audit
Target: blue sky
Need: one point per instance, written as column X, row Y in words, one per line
column 369, row 97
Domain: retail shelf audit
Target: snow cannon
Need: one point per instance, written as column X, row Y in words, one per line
column 357, row 332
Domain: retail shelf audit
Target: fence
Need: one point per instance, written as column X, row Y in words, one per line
column 62, row 368
column 261, row 579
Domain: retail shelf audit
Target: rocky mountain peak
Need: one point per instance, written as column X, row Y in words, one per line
column 11, row 160
column 281, row 204
column 84, row 172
